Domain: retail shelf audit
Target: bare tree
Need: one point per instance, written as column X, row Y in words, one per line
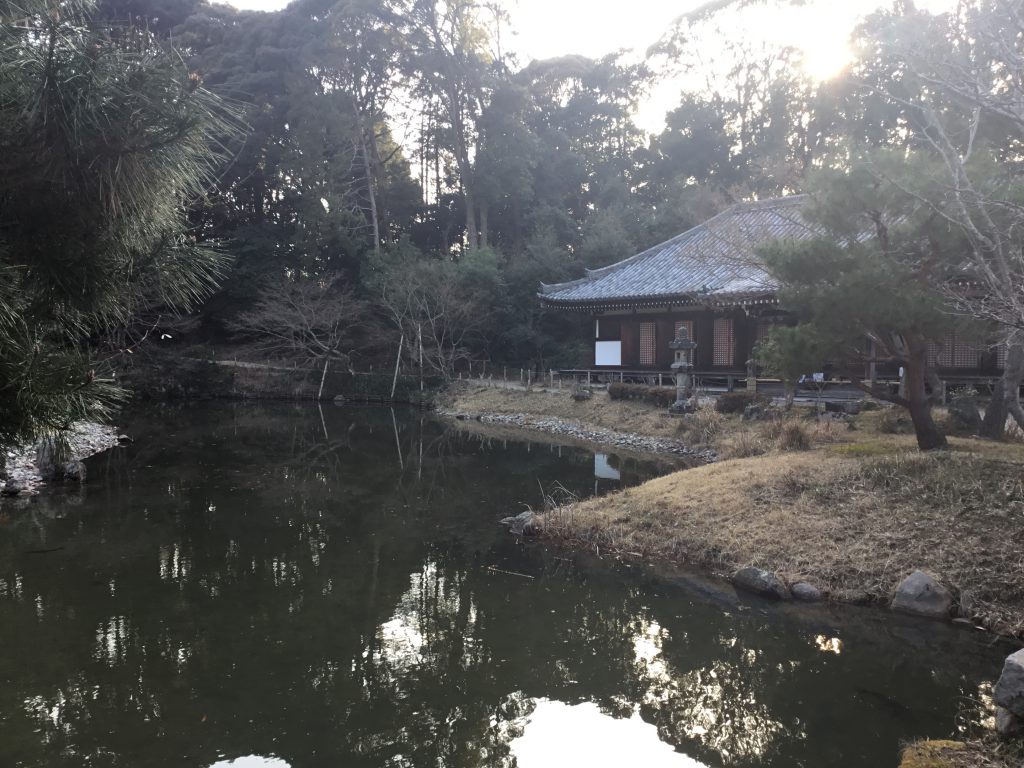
column 305, row 320
column 434, row 312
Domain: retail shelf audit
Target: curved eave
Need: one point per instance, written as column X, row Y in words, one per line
column 660, row 302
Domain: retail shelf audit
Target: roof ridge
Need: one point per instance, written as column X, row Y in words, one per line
column 743, row 205
column 706, row 229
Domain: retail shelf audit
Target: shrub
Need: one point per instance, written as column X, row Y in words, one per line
column 743, row 445
column 707, row 423
column 736, row 402
column 661, row 396
column 893, row 422
column 794, row 437
column 619, row 391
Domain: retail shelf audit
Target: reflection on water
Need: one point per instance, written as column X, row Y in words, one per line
column 249, row 580
column 559, row 734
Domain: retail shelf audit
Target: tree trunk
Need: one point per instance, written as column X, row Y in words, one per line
column 994, row 424
column 1013, row 373
column 370, row 184
column 468, row 198
column 483, row 226
column 919, row 403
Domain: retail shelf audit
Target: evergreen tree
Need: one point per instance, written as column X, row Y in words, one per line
column 876, row 274
column 104, row 138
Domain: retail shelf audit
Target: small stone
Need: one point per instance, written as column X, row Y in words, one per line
column 852, row 596
column 75, row 471
column 760, row 582
column 582, row 394
column 1009, row 690
column 13, row 488
column 920, row 595
column 807, row 593
column 524, row 524
column 1008, row 724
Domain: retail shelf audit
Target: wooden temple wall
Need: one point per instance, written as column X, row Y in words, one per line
column 726, row 339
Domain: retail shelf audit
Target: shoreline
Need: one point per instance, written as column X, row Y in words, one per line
column 657, row 447
column 21, row 477
column 852, row 510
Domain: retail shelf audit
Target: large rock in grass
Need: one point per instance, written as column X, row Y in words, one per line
column 760, row 582
column 1009, row 691
column 921, row 595
column 1008, row 725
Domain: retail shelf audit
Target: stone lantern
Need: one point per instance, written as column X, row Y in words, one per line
column 683, row 348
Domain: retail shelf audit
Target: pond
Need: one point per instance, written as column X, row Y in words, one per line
column 280, row 586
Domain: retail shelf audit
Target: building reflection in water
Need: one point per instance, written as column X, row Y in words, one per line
column 251, row 761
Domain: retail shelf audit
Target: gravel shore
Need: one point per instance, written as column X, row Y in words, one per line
column 84, row 439
column 555, row 426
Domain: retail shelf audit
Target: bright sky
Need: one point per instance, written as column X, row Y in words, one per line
column 547, row 28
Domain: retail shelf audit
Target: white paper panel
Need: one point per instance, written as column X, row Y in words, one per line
column 608, row 353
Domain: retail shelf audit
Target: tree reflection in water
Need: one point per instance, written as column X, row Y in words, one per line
column 254, row 580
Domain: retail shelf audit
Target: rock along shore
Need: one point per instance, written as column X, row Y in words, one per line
column 555, row 426
column 22, row 476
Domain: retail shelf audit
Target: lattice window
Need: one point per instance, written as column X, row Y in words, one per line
column 953, row 352
column 940, row 353
column 648, row 349
column 724, row 351
column 764, row 329
column 1001, row 356
column 688, row 324
column 965, row 355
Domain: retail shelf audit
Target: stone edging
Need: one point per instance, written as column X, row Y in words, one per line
column 554, row 426
column 84, row 439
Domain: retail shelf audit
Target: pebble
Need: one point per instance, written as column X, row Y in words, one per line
column 555, row 426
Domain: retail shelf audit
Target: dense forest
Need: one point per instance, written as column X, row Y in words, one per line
column 336, row 176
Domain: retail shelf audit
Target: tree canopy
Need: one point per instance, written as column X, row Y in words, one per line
column 401, row 141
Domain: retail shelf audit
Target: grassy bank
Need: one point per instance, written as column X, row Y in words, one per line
column 849, row 504
column 600, row 412
column 976, row 753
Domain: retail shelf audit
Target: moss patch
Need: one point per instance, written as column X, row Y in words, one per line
column 931, row 754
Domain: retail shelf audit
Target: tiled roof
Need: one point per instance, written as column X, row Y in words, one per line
column 714, row 262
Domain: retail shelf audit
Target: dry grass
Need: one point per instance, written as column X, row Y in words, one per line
column 851, row 506
column 846, row 524
column 988, row 752
column 601, row 411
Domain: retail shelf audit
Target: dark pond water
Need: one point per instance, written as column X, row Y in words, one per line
column 260, row 587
